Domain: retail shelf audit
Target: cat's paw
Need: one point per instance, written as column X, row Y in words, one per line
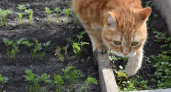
column 130, row 70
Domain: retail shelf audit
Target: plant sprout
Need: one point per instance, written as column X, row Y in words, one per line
column 3, row 80
column 67, row 12
column 8, row 43
column 77, row 48
column 48, row 12
column 29, row 45
column 20, row 15
column 73, row 13
column 45, row 46
column 3, row 14
column 88, row 81
column 30, row 14
column 60, row 52
column 21, row 7
column 58, row 81
column 57, row 9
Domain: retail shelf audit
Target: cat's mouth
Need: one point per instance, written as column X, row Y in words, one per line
column 125, row 55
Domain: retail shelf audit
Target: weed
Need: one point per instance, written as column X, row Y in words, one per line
column 61, row 52
column 3, row 14
column 48, row 12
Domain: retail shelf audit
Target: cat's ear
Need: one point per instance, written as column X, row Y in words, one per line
column 145, row 13
column 111, row 20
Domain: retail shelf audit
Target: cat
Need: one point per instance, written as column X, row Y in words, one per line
column 119, row 25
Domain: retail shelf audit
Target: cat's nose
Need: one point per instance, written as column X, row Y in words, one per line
column 125, row 54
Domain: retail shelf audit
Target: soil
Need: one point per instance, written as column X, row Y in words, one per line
column 57, row 34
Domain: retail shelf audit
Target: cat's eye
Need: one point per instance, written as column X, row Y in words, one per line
column 134, row 43
column 117, row 42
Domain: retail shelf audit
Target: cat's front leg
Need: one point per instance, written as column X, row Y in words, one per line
column 97, row 43
column 134, row 63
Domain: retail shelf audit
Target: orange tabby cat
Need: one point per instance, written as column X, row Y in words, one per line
column 116, row 24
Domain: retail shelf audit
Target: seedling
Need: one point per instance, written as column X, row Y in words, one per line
column 58, row 81
column 45, row 46
column 77, row 47
column 48, row 12
column 30, row 14
column 3, row 80
column 15, row 46
column 3, row 14
column 61, row 52
column 20, row 15
column 67, row 12
column 29, row 45
column 45, row 79
column 57, row 9
column 8, row 43
column 72, row 76
column 30, row 77
column 73, row 13
column 88, row 81
column 22, row 8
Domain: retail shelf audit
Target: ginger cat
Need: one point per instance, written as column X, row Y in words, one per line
column 116, row 24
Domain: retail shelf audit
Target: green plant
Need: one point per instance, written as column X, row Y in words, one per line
column 3, row 80
column 45, row 46
column 20, row 15
column 67, row 12
column 22, row 8
column 77, row 46
column 73, row 13
column 37, row 48
column 8, row 43
column 88, row 81
column 45, row 79
column 30, row 14
column 3, row 14
column 48, row 12
column 61, row 52
column 148, row 4
column 72, row 76
column 29, row 45
column 57, row 9
column 30, row 77
column 163, row 70
column 58, row 81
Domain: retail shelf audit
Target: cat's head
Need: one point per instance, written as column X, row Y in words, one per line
column 125, row 31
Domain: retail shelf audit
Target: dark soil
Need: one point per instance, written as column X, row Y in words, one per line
column 57, row 34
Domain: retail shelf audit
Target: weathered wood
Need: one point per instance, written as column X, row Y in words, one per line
column 157, row 90
column 106, row 75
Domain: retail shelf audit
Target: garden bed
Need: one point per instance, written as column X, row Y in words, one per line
column 58, row 34
column 43, row 32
